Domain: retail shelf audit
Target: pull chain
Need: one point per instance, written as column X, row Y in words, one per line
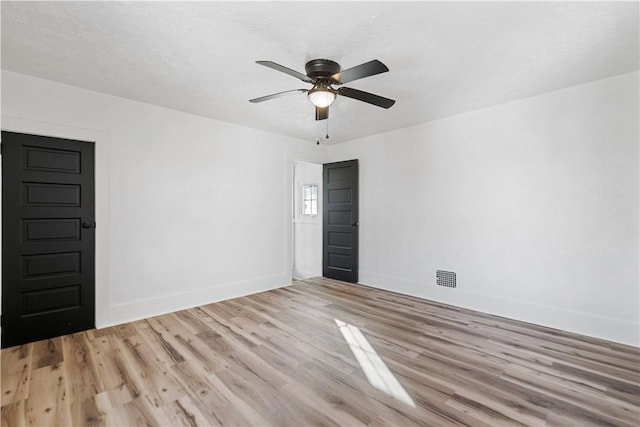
column 327, row 135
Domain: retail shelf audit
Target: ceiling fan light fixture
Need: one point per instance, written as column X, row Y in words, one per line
column 321, row 96
column 323, row 74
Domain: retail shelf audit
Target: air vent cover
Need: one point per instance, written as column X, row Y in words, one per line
column 446, row 278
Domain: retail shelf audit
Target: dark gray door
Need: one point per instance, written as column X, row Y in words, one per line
column 340, row 221
column 48, row 237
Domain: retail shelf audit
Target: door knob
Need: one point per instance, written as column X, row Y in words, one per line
column 355, row 224
column 88, row 225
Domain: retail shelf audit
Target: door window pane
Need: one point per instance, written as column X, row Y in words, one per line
column 310, row 199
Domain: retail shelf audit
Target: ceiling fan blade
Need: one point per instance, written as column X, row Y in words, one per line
column 322, row 113
column 367, row 97
column 275, row 95
column 367, row 69
column 285, row 70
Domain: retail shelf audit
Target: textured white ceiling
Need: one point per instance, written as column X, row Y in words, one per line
column 445, row 58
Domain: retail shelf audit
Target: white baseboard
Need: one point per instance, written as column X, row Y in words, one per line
column 301, row 274
column 617, row 330
column 583, row 323
column 142, row 309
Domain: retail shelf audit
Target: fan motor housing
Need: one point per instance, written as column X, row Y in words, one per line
column 321, row 68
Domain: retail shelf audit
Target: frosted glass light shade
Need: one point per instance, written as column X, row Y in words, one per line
column 321, row 97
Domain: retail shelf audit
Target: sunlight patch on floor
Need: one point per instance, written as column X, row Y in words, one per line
column 372, row 365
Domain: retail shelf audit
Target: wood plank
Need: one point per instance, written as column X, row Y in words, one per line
column 47, row 404
column 16, row 365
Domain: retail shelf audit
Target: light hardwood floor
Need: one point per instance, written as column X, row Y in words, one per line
column 322, row 352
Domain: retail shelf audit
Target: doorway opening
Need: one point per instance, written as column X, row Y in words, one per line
column 307, row 220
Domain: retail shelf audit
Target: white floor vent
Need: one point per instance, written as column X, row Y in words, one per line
column 446, row 278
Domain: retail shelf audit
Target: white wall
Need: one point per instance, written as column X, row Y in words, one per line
column 307, row 230
column 533, row 203
column 189, row 210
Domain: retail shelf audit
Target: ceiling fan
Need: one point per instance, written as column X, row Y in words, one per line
column 323, row 74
